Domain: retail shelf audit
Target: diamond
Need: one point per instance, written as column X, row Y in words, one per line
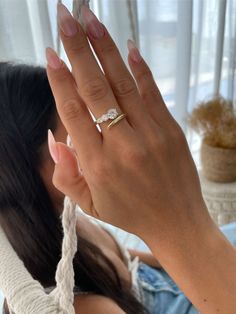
column 111, row 114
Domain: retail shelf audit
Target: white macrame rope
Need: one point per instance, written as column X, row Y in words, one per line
column 65, row 270
column 131, row 5
column 24, row 294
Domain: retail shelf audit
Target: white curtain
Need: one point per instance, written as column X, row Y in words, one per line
column 190, row 45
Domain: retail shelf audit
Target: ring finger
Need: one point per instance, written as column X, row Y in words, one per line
column 122, row 83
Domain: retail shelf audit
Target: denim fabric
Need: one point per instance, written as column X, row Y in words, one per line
column 229, row 231
column 160, row 294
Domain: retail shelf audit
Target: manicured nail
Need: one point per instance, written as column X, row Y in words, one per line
column 66, row 21
column 52, row 145
column 93, row 27
column 134, row 52
column 52, row 58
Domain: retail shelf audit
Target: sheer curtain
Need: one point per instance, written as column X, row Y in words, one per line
column 190, row 45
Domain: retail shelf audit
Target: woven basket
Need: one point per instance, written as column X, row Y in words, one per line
column 218, row 164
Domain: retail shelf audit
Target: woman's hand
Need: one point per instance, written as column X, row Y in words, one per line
column 139, row 175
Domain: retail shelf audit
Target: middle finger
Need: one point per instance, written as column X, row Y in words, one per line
column 92, row 85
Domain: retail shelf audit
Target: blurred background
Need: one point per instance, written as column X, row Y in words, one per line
column 190, row 45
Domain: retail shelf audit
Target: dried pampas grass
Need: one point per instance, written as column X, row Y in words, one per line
column 215, row 121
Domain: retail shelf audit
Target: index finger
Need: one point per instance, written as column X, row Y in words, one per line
column 86, row 138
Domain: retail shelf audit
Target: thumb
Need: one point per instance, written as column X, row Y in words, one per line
column 68, row 177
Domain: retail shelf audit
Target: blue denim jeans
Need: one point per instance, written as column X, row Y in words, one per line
column 159, row 292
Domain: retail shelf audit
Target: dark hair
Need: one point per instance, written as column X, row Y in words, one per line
column 27, row 213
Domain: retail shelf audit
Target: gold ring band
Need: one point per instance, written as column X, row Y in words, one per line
column 113, row 122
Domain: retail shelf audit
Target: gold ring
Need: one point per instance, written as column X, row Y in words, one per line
column 113, row 122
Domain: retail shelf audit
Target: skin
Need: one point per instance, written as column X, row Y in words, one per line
column 87, row 229
column 139, row 175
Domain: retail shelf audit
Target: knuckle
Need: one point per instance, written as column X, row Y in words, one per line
column 59, row 78
column 108, row 48
column 61, row 181
column 145, row 75
column 149, row 94
column 58, row 181
column 71, row 109
column 136, row 157
column 76, row 46
column 76, row 49
column 124, row 88
column 95, row 89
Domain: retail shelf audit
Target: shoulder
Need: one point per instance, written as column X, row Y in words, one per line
column 90, row 304
column 91, row 230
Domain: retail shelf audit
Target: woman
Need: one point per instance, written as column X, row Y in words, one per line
column 30, row 207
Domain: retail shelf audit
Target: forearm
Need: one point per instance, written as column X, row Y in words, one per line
column 202, row 262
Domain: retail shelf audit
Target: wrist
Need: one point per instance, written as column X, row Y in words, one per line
column 202, row 262
column 193, row 225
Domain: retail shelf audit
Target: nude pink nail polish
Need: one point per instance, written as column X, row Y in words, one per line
column 93, row 26
column 53, row 147
column 52, row 58
column 66, row 21
column 134, row 52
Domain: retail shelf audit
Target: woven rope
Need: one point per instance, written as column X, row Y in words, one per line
column 218, row 164
column 24, row 294
column 65, row 271
column 133, row 21
column 58, row 40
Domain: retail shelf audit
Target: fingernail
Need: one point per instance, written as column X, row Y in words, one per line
column 93, row 27
column 52, row 58
column 134, row 52
column 52, row 145
column 66, row 21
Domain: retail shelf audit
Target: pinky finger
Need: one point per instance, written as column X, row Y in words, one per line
column 146, row 83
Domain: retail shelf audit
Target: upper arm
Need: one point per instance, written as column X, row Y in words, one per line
column 90, row 304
